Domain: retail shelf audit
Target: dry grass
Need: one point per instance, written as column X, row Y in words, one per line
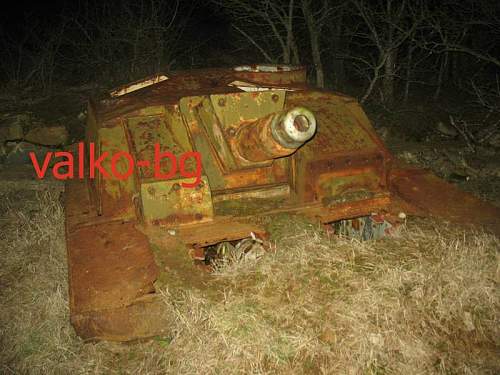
column 424, row 302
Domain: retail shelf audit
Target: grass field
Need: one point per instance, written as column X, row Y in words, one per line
column 426, row 301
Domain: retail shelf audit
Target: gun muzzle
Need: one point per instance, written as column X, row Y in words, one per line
column 276, row 135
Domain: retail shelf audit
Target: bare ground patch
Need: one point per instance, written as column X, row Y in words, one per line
column 424, row 302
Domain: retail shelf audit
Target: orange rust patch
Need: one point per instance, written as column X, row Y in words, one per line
column 439, row 198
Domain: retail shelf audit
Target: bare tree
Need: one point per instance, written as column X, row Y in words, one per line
column 316, row 14
column 454, row 30
column 445, row 29
column 388, row 24
column 266, row 24
column 127, row 40
column 33, row 60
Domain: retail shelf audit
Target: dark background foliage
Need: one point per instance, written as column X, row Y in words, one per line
column 382, row 50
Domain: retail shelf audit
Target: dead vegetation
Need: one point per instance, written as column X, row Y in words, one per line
column 424, row 302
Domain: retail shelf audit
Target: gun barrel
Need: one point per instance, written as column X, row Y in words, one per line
column 276, row 135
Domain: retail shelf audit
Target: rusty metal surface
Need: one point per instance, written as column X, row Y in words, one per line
column 111, row 265
column 277, row 135
column 436, row 197
column 110, row 270
column 266, row 144
column 142, row 319
column 246, row 140
column 168, row 203
column 196, row 82
column 222, row 230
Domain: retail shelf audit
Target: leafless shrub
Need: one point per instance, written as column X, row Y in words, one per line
column 480, row 132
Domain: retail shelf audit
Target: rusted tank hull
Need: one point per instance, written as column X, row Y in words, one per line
column 112, row 294
column 112, row 268
column 215, row 150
